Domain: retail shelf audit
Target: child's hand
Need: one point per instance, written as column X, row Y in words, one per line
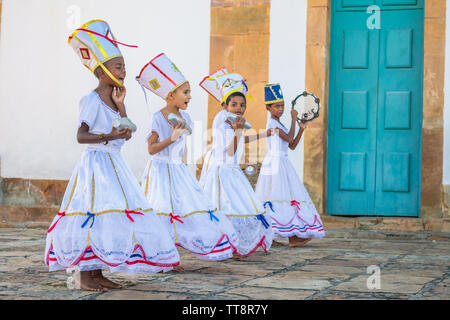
column 302, row 125
column 177, row 131
column 239, row 124
column 129, row 133
column 118, row 96
column 271, row 132
column 294, row 114
column 125, row 133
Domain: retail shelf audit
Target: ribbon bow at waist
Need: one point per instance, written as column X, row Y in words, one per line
column 90, row 215
column 212, row 216
column 61, row 214
column 263, row 220
column 172, row 217
column 129, row 212
column 269, row 203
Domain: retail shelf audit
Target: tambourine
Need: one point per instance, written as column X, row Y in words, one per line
column 307, row 105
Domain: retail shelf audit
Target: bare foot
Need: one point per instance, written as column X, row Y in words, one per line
column 297, row 242
column 104, row 282
column 277, row 244
column 178, row 269
column 88, row 283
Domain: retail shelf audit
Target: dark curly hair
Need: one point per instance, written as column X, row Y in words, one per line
column 235, row 94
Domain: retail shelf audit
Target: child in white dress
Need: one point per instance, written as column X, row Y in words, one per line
column 105, row 220
column 172, row 190
column 209, row 84
column 294, row 216
column 224, row 180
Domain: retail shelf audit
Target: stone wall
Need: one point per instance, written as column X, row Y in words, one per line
column 433, row 109
column 317, row 66
column 446, row 201
column 240, row 31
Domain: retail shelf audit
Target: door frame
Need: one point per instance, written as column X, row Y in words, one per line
column 317, row 81
column 331, row 119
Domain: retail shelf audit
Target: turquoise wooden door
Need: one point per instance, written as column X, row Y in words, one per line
column 375, row 109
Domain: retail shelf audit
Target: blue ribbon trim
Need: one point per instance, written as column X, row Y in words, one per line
column 270, row 205
column 212, row 216
column 90, row 215
column 263, row 220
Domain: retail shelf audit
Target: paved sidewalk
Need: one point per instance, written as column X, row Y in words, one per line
column 411, row 266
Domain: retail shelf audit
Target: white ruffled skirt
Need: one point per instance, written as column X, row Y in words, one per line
column 286, row 199
column 106, row 222
column 231, row 192
column 194, row 223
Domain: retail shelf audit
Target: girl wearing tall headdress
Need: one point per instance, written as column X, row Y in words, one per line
column 224, row 180
column 193, row 221
column 105, row 221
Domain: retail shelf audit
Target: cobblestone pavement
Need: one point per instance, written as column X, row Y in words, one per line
column 411, row 266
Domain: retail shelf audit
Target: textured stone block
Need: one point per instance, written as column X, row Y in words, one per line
column 433, row 85
column 433, row 35
column 317, row 16
column 27, row 192
column 446, row 200
column 432, row 157
column 435, row 9
column 241, row 20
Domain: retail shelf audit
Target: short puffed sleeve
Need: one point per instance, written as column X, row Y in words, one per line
column 88, row 111
column 155, row 125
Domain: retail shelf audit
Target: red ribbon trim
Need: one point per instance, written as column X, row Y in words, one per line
column 175, row 217
column 128, row 212
column 61, row 214
column 296, row 204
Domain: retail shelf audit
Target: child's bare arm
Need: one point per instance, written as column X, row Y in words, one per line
column 231, row 150
column 294, row 143
column 265, row 134
column 289, row 137
column 185, row 154
column 118, row 97
column 237, row 127
column 84, row 136
column 154, row 146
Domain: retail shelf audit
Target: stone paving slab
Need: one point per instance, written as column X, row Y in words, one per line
column 334, row 268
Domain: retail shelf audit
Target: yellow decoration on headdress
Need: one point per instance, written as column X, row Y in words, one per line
column 154, row 83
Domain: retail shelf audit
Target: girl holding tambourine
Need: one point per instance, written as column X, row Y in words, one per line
column 294, row 216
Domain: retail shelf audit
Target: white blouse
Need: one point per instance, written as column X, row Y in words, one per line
column 98, row 116
column 223, row 135
column 160, row 125
column 275, row 145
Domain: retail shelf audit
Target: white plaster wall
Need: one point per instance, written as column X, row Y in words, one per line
column 287, row 54
column 42, row 79
column 446, row 173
